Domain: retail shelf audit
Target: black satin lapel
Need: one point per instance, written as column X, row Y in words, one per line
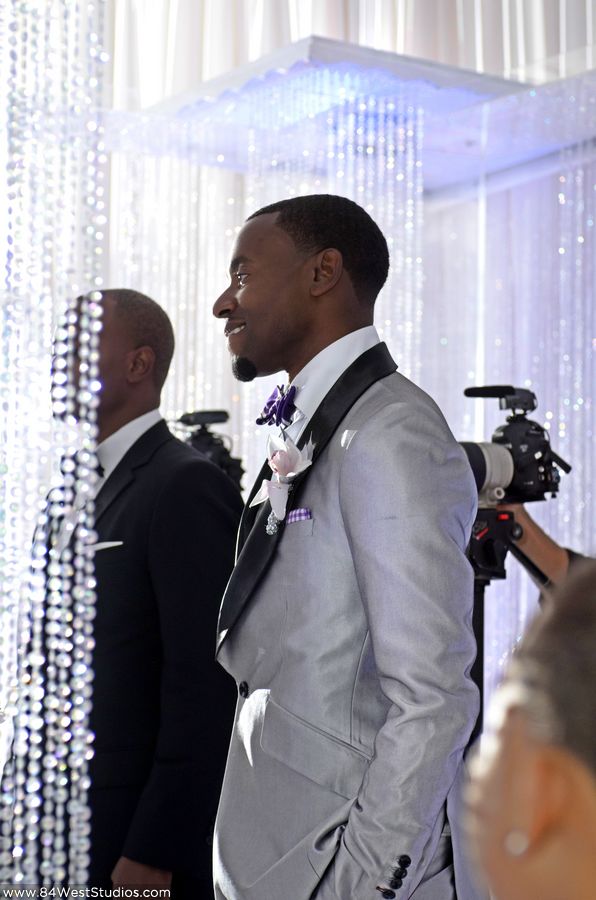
column 252, row 562
column 373, row 364
column 258, row 547
column 118, row 481
column 249, row 513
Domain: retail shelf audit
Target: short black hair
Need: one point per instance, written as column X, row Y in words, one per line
column 556, row 663
column 320, row 221
column 148, row 325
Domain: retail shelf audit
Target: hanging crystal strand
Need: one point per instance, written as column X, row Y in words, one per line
column 408, row 201
column 14, row 314
column 178, row 293
column 417, row 139
column 257, row 193
column 385, row 165
column 173, row 297
column 572, row 325
column 359, row 187
column 346, row 172
column 76, row 657
column 583, row 324
column 55, row 591
column 174, row 278
column 123, row 203
column 585, row 460
column 182, row 298
column 265, row 177
column 78, row 652
column 187, row 365
column 23, row 244
column 401, row 284
column 335, row 125
column 318, row 134
column 177, row 299
column 562, row 374
column 574, row 349
column 51, row 207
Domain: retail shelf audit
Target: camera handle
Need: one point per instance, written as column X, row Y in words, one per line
column 494, row 533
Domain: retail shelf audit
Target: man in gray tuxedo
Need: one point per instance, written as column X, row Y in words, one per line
column 347, row 620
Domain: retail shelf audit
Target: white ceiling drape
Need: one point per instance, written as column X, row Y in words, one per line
column 162, row 47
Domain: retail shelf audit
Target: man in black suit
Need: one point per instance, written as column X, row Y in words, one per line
column 166, row 520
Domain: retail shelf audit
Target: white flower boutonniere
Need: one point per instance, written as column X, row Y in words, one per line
column 286, row 462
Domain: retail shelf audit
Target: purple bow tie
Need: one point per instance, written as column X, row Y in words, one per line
column 279, row 408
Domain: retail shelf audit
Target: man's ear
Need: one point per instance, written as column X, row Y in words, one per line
column 140, row 363
column 328, row 268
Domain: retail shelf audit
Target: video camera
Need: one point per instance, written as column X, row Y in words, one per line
column 216, row 447
column 519, row 465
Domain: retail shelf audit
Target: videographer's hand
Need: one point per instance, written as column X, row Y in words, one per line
column 550, row 557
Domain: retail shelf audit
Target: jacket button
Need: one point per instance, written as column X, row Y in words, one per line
column 404, row 861
column 400, row 873
column 396, row 882
column 388, row 895
column 243, row 689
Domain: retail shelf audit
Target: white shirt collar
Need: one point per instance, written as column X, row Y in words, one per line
column 112, row 450
column 319, row 375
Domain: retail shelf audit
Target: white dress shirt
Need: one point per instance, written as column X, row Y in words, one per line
column 109, row 454
column 113, row 449
column 318, row 376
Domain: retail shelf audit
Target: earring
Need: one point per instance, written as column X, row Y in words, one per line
column 516, row 843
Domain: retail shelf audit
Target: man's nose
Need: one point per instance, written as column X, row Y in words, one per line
column 224, row 305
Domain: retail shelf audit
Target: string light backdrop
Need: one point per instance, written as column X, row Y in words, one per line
column 510, row 299
column 492, row 281
column 52, row 233
column 318, row 117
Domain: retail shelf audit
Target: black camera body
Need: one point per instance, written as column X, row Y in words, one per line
column 519, row 465
column 215, row 447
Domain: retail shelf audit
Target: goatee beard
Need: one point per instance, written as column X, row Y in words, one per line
column 243, row 369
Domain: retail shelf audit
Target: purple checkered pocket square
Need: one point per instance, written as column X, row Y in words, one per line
column 298, row 515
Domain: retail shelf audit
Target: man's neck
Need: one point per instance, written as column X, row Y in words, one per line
column 326, row 339
column 119, row 418
column 113, row 448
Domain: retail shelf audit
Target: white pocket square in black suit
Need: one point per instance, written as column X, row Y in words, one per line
column 106, row 545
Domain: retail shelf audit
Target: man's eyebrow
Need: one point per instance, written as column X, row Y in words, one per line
column 238, row 260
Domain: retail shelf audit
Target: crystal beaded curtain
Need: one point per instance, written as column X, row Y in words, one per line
column 52, row 154
column 172, row 223
column 365, row 147
column 323, row 132
column 509, row 299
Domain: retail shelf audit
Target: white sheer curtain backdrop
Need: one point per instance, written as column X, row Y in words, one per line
column 163, row 47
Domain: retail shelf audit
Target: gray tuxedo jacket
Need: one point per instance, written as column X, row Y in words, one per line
column 349, row 635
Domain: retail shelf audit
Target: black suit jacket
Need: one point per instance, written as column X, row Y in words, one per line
column 162, row 707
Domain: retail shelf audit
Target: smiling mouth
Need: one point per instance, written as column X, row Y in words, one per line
column 230, row 331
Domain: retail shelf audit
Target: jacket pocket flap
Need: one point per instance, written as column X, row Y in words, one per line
column 319, row 756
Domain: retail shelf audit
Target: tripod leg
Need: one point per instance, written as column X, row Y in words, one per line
column 477, row 671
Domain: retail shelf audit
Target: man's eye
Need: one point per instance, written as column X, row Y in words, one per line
column 241, row 278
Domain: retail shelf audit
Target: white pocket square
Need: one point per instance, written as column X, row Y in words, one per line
column 105, row 545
